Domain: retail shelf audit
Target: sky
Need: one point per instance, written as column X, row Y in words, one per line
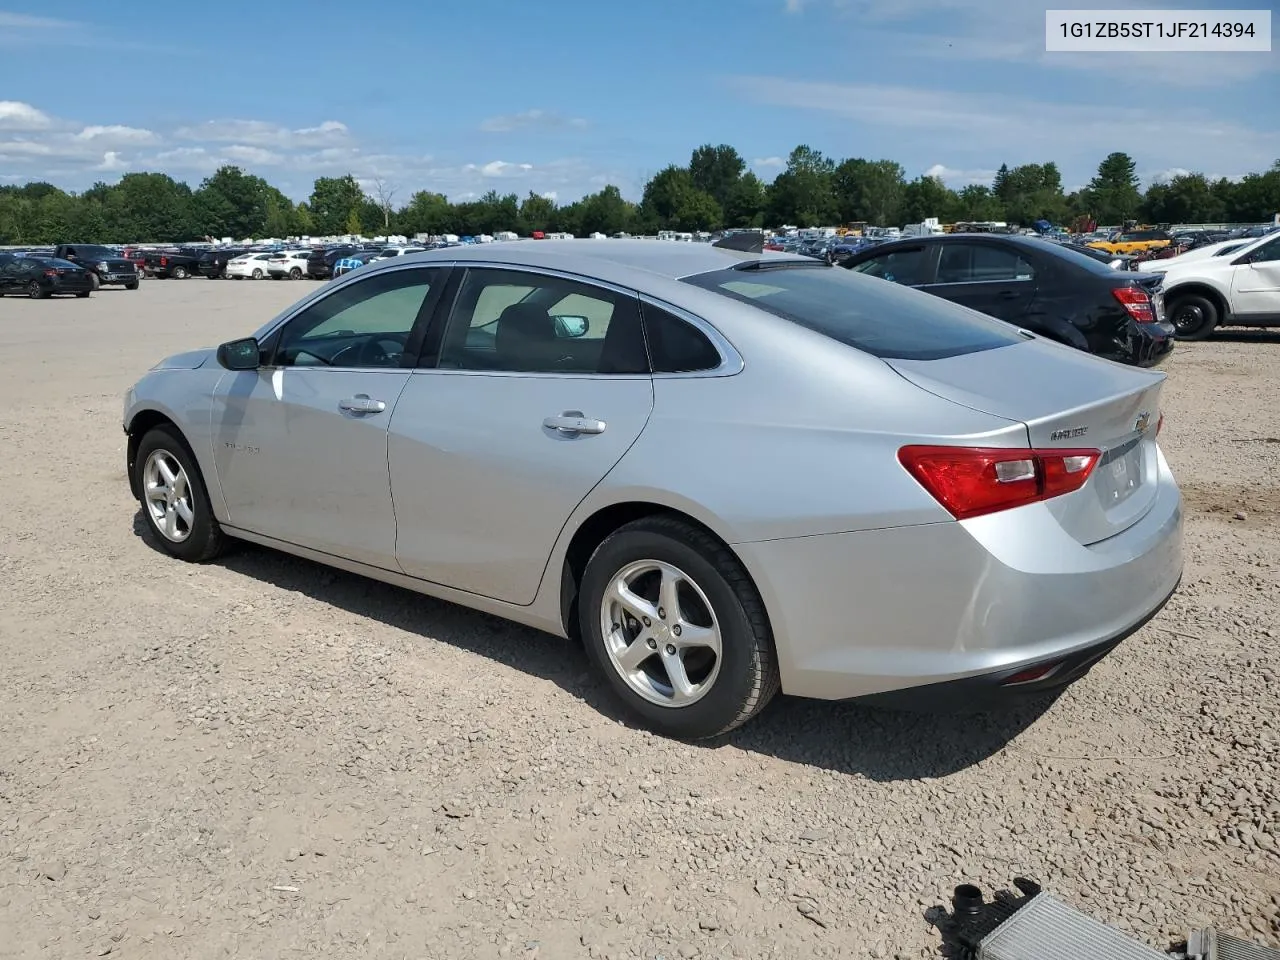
column 561, row 97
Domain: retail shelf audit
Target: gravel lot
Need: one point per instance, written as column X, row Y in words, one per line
column 266, row 758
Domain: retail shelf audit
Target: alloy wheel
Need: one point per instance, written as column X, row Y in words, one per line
column 661, row 633
column 167, row 494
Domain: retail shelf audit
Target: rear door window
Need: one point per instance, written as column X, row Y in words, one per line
column 883, row 319
column 981, row 263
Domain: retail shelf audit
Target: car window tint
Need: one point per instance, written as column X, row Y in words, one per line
column 980, row 263
column 897, row 266
column 364, row 324
column 1266, row 253
column 676, row 346
column 883, row 319
column 533, row 323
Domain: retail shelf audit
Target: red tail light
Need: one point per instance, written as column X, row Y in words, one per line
column 1137, row 303
column 51, row 273
column 164, row 261
column 972, row 481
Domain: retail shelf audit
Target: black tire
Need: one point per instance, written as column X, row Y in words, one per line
column 179, row 273
column 206, row 539
column 257, row 273
column 83, row 293
column 748, row 671
column 1193, row 316
column 131, row 285
column 35, row 291
column 295, row 274
column 94, row 282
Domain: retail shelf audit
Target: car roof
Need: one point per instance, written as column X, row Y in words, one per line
column 668, row 259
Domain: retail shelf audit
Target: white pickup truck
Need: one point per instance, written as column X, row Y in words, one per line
column 1240, row 289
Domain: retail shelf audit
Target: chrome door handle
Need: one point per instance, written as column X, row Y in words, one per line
column 361, row 403
column 573, row 422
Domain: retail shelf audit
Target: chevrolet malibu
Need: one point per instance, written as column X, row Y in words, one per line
column 728, row 472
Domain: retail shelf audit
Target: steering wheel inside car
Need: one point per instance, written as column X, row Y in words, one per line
column 377, row 350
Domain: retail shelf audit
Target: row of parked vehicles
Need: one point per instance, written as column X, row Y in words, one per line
column 71, row 269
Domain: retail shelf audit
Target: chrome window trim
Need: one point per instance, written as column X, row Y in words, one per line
column 975, row 283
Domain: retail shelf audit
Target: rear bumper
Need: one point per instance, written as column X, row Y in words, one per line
column 878, row 611
column 1150, row 343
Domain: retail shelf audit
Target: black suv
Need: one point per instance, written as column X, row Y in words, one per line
column 320, row 263
column 1037, row 285
column 213, row 263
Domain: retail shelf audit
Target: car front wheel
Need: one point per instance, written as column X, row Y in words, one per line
column 174, row 498
column 670, row 617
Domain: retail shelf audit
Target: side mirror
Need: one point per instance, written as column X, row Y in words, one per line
column 571, row 327
column 240, row 354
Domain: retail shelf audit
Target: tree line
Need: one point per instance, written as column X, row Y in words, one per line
column 714, row 190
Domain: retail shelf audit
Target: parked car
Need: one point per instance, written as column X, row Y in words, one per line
column 176, row 264
column 288, row 265
column 1135, row 241
column 353, row 261
column 213, row 263
column 248, row 266
column 728, row 473
column 1219, row 249
column 105, row 267
column 41, row 277
column 320, row 263
column 1046, row 288
column 1240, row 289
column 386, row 253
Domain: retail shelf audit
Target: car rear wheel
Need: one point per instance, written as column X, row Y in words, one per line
column 257, row 273
column 295, row 274
column 1194, row 317
column 82, row 293
column 174, row 497
column 179, row 273
column 671, row 619
column 35, row 291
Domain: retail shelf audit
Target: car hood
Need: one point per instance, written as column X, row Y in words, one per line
column 190, row 360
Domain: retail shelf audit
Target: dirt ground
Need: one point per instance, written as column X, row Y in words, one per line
column 266, row 758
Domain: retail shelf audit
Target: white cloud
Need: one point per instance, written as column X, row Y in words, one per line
column 260, row 133
column 769, row 162
column 16, row 115
column 499, row 168
column 118, row 134
column 794, row 6
column 549, row 195
column 1018, row 130
column 539, row 119
column 957, row 178
column 257, row 156
column 112, row 161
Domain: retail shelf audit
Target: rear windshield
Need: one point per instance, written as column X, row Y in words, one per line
column 880, row 317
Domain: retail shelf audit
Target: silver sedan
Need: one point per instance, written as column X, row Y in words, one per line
column 728, row 472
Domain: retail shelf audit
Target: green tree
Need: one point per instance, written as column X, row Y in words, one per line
column 1000, row 185
column 1113, row 192
column 335, row 205
column 606, row 212
column 977, row 203
column 232, row 203
column 672, row 201
column 803, row 194
column 745, row 204
column 353, row 225
column 869, row 190
column 536, row 213
column 927, row 197
column 716, row 171
column 151, row 207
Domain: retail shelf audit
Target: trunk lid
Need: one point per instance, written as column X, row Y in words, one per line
column 1066, row 399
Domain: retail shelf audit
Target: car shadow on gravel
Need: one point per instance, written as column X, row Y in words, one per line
column 876, row 743
column 1245, row 335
